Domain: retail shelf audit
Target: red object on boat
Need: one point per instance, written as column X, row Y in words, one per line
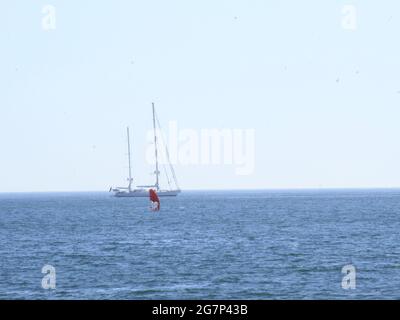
column 154, row 199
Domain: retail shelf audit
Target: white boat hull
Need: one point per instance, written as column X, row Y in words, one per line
column 145, row 193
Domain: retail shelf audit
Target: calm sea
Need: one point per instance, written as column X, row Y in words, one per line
column 202, row 245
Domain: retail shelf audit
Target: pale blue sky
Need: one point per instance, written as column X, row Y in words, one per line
column 324, row 101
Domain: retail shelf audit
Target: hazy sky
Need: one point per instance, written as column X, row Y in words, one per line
column 323, row 99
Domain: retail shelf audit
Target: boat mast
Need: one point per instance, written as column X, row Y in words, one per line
column 157, row 172
column 169, row 160
column 129, row 160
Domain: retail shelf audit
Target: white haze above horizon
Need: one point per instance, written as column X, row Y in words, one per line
column 319, row 93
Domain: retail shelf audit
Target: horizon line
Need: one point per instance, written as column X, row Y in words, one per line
column 222, row 189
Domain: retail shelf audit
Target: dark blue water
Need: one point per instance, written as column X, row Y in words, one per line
column 216, row 245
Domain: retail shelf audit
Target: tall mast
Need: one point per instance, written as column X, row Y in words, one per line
column 155, row 147
column 129, row 160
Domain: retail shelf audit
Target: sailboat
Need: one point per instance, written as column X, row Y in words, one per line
column 143, row 191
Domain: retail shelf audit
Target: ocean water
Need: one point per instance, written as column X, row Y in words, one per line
column 202, row 245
